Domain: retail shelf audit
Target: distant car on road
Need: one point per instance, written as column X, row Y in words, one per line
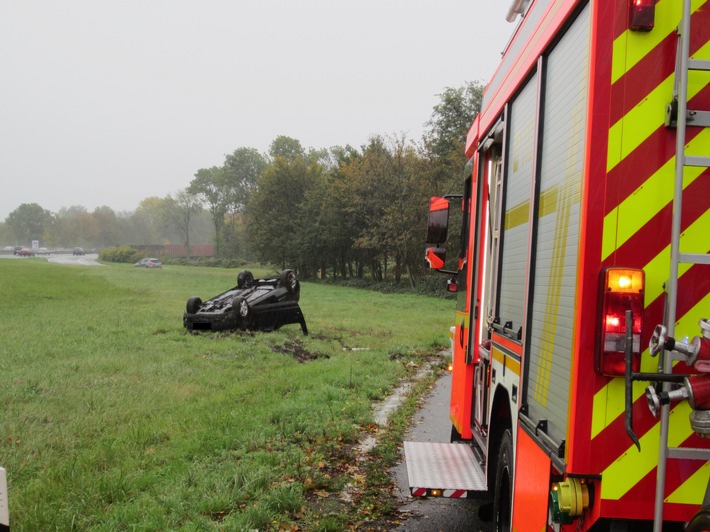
column 149, row 263
column 254, row 304
column 42, row 251
column 25, row 252
column 78, row 251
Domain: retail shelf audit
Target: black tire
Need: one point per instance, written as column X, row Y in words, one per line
column 503, row 491
column 700, row 521
column 193, row 305
column 288, row 280
column 455, row 435
column 244, row 278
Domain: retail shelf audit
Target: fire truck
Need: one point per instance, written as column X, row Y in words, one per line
column 583, row 275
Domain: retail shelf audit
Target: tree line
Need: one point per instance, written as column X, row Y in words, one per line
column 342, row 212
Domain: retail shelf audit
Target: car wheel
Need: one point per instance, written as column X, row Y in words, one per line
column 244, row 278
column 193, row 305
column 242, row 307
column 288, row 280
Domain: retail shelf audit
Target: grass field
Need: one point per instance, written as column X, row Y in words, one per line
column 114, row 418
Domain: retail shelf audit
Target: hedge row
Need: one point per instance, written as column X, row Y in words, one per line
column 122, row 254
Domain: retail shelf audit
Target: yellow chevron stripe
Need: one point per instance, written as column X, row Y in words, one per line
column 692, row 487
column 633, row 465
column 609, row 231
column 632, row 46
column 608, row 403
column 694, row 240
column 648, row 115
column 647, row 200
column 638, row 124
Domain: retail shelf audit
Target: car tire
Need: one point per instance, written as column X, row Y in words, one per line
column 193, row 305
column 244, row 278
column 288, row 280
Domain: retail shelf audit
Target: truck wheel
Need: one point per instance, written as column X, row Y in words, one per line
column 503, row 491
column 700, row 521
column 244, row 278
column 193, row 305
column 455, row 435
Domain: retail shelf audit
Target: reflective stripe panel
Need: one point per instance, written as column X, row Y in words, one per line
column 632, row 46
column 689, row 489
column 633, row 465
column 640, row 168
column 647, row 201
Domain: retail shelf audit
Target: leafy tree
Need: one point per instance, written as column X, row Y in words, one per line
column 107, row 225
column 444, row 142
column 286, row 147
column 148, row 222
column 452, row 117
column 179, row 211
column 240, row 175
column 402, row 224
column 241, row 172
column 337, row 232
column 6, row 235
column 366, row 192
column 69, row 227
column 278, row 214
column 209, row 186
column 29, row 222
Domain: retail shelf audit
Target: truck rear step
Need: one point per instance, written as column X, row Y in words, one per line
column 4, row 513
column 443, row 470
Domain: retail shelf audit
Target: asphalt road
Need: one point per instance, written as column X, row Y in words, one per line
column 432, row 424
column 90, row 259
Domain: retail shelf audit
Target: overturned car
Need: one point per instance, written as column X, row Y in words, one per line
column 255, row 304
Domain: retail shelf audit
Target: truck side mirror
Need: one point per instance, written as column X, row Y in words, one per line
column 435, row 258
column 438, row 226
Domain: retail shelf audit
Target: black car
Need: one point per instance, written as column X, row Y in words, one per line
column 255, row 304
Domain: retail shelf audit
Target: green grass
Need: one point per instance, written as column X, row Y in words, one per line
column 113, row 417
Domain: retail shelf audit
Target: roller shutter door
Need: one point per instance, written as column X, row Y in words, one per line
column 557, row 245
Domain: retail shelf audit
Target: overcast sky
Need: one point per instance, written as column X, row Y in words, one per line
column 107, row 102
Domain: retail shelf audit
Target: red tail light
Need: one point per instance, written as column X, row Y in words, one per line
column 641, row 14
column 622, row 290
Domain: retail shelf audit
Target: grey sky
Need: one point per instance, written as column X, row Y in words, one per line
column 109, row 102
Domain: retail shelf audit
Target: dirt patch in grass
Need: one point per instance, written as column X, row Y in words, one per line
column 295, row 349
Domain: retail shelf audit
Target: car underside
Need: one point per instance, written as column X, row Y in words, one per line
column 254, row 304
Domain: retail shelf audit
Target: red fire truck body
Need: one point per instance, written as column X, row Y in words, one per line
column 567, row 224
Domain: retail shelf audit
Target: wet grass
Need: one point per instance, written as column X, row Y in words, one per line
column 114, row 417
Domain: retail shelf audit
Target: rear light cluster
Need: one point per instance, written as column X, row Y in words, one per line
column 622, row 291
